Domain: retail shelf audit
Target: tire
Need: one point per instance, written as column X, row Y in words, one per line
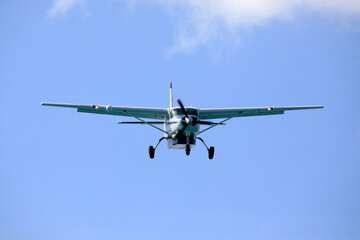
column 151, row 152
column 187, row 150
column 211, row 152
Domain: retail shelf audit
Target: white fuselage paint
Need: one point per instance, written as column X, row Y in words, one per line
column 175, row 125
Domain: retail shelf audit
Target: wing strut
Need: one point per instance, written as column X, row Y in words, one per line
column 220, row 123
column 148, row 123
column 152, row 122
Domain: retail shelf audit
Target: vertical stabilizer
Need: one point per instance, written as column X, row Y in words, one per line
column 171, row 96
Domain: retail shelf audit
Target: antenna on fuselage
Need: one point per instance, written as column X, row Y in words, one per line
column 171, row 96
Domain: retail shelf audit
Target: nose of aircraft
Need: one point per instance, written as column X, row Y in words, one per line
column 187, row 120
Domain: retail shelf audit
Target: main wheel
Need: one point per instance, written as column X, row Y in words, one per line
column 151, row 152
column 211, row 152
column 187, row 150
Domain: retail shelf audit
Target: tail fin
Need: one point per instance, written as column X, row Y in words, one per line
column 171, row 96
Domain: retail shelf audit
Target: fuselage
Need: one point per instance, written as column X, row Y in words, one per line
column 183, row 130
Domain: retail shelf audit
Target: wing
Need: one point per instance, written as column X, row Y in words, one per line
column 247, row 112
column 153, row 113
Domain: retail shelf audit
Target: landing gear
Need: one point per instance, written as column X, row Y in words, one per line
column 151, row 152
column 187, row 149
column 211, row 150
column 152, row 149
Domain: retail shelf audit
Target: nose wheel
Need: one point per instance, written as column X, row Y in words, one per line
column 187, row 150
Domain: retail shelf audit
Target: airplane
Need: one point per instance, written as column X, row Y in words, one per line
column 181, row 124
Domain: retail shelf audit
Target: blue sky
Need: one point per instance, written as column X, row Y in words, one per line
column 67, row 175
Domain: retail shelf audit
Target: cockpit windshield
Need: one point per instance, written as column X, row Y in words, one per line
column 190, row 111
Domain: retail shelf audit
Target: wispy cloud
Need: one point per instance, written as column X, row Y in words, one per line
column 199, row 22
column 206, row 20
column 61, row 7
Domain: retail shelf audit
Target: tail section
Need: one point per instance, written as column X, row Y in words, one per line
column 171, row 96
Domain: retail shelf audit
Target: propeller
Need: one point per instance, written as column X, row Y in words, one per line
column 192, row 120
column 185, row 123
column 183, row 109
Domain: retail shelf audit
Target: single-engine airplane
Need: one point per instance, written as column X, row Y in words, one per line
column 181, row 124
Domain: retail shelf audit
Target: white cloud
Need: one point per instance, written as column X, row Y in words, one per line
column 60, row 7
column 206, row 20
column 199, row 22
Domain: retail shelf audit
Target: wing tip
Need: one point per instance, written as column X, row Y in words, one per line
column 46, row 104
